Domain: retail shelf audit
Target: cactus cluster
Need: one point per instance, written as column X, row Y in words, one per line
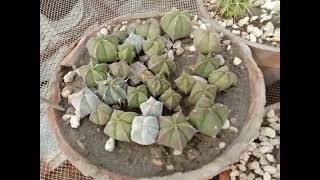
column 233, row 8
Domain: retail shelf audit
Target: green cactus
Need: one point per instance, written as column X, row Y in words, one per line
column 233, row 8
column 222, row 78
column 154, row 46
column 176, row 24
column 121, row 35
column 170, row 99
column 201, row 89
column 206, row 41
column 205, row 65
column 185, row 82
column 137, row 95
column 112, row 90
column 126, row 52
column 119, row 126
column 120, row 69
column 103, row 48
column 91, row 74
column 157, row 84
column 175, row 131
column 149, row 30
column 135, row 40
column 162, row 64
column 207, row 117
column 101, row 115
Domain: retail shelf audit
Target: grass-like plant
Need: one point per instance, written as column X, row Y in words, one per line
column 233, row 8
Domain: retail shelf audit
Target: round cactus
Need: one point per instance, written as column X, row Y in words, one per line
column 101, row 115
column 206, row 41
column 112, row 90
column 205, row 65
column 170, row 99
column 150, row 29
column 157, row 84
column 103, row 48
column 154, row 46
column 120, row 69
column 201, row 89
column 185, row 82
column 126, row 52
column 137, row 95
column 222, row 78
column 91, row 74
column 162, row 64
column 176, row 24
column 135, row 40
column 151, row 107
column 121, row 35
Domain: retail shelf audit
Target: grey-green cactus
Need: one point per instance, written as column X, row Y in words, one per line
column 162, row 64
column 206, row 41
column 119, row 126
column 170, row 99
column 222, row 78
column 101, row 115
column 176, row 24
column 120, row 69
column 150, row 29
column 121, row 35
column 145, row 130
column 157, row 84
column 154, row 46
column 201, row 89
column 144, row 75
column 126, row 52
column 175, row 131
column 205, row 65
column 137, row 95
column 151, row 107
column 112, row 90
column 185, row 82
column 207, row 117
column 91, row 74
column 135, row 40
column 103, row 48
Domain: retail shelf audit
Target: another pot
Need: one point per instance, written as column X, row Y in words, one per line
column 231, row 154
column 267, row 57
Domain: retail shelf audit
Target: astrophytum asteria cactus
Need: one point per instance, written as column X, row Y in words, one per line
column 136, row 41
column 157, row 84
column 119, row 126
column 145, row 130
column 120, row 69
column 175, row 131
column 137, row 95
column 176, row 24
column 207, row 117
column 121, row 35
column 144, row 75
column 112, row 90
column 150, row 29
column 222, row 78
column 154, row 46
column 92, row 74
column 201, row 89
column 206, row 40
column 162, row 64
column 205, row 65
column 170, row 99
column 101, row 115
column 103, row 48
column 185, row 82
column 126, row 52
column 151, row 107
column 84, row 102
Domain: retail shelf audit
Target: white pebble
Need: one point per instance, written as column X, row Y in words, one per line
column 66, row 117
column 229, row 22
column 265, row 18
column 226, row 42
column 177, row 44
column 273, row 119
column 234, row 26
column 192, row 48
column 258, row 178
column 263, row 138
column 110, row 145
column 258, row 3
column 235, row 32
column 233, row 178
column 220, row 59
column 252, row 146
column 66, row 91
column 179, row 51
column 266, row 176
column 233, row 120
column 259, row 171
column 226, row 124
column 233, row 129
column 222, row 145
column 263, row 161
column 203, row 26
column 270, row 169
column 143, row 58
column 234, row 173
column 251, row 176
column 243, row 21
column 228, row 47
column 242, row 176
column 242, row 167
column 257, row 153
column 170, row 54
column 124, row 22
column 168, row 44
column 75, row 121
column 257, row 32
column 275, row 141
column 250, row 28
column 69, row 76
column 268, row 29
column 265, row 149
column 177, row 152
column 123, row 28
column 253, row 18
column 195, row 18
column 245, row 157
column 253, row 165
column 270, row 113
column 270, row 158
column 267, row 131
column 104, row 31
column 252, row 37
column 170, row 167
column 236, row 61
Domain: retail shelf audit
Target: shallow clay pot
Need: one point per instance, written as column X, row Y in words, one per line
column 248, row 131
column 267, row 57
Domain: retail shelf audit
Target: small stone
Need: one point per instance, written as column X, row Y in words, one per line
column 143, row 58
column 275, row 126
column 266, row 149
column 258, row 3
column 233, row 120
column 270, row 158
column 124, row 22
column 170, row 54
column 252, row 38
column 192, row 48
column 243, row 21
column 220, row 59
column 270, row 5
column 157, row 162
column 170, row 167
column 116, row 28
column 177, row 44
column 177, row 152
column 265, row 18
column 260, row 41
column 192, row 154
column 251, row 176
column 236, row 61
column 275, row 141
column 195, row 18
column 69, row 77
column 104, row 31
column 203, row 26
column 226, row 42
column 242, row 168
column 244, row 33
column 123, row 28
column 245, row 157
column 223, row 23
column 267, row 131
column 258, row 178
column 266, row 176
column 169, row 44
column 66, row 117
column 226, row 124
column 263, row 138
column 250, row 28
column 212, row 14
column 257, row 32
column 66, row 91
column 253, row 165
column 268, row 29
column 198, row 78
column 273, row 119
column 233, row 167
column 222, row 145
column 234, row 26
column 259, row 171
column 229, row 22
column 242, row 176
column 234, row 173
column 270, row 169
column 179, row 51
column 200, row 22
column 228, row 47
column 75, row 121
column 110, row 145
column 235, row 32
column 253, row 18
column 270, row 113
column 257, row 153
column 252, row 146
column 195, row 28
column 109, row 28
column 263, row 161
column 234, row 129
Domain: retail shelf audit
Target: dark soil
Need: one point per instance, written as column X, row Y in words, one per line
column 135, row 160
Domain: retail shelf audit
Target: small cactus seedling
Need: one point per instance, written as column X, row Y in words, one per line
column 137, row 95
column 170, row 99
column 207, row 117
column 162, row 64
column 222, row 78
column 121, row 35
column 135, row 40
column 201, row 89
column 92, row 74
column 145, row 130
column 150, row 29
column 112, row 90
column 154, row 46
column 206, row 40
column 185, row 82
column 157, row 84
column 176, row 24
column 233, row 8
column 119, row 126
column 126, row 52
column 103, row 48
column 205, row 65
column 120, row 69
column 151, row 107
column 101, row 115
column 175, row 131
